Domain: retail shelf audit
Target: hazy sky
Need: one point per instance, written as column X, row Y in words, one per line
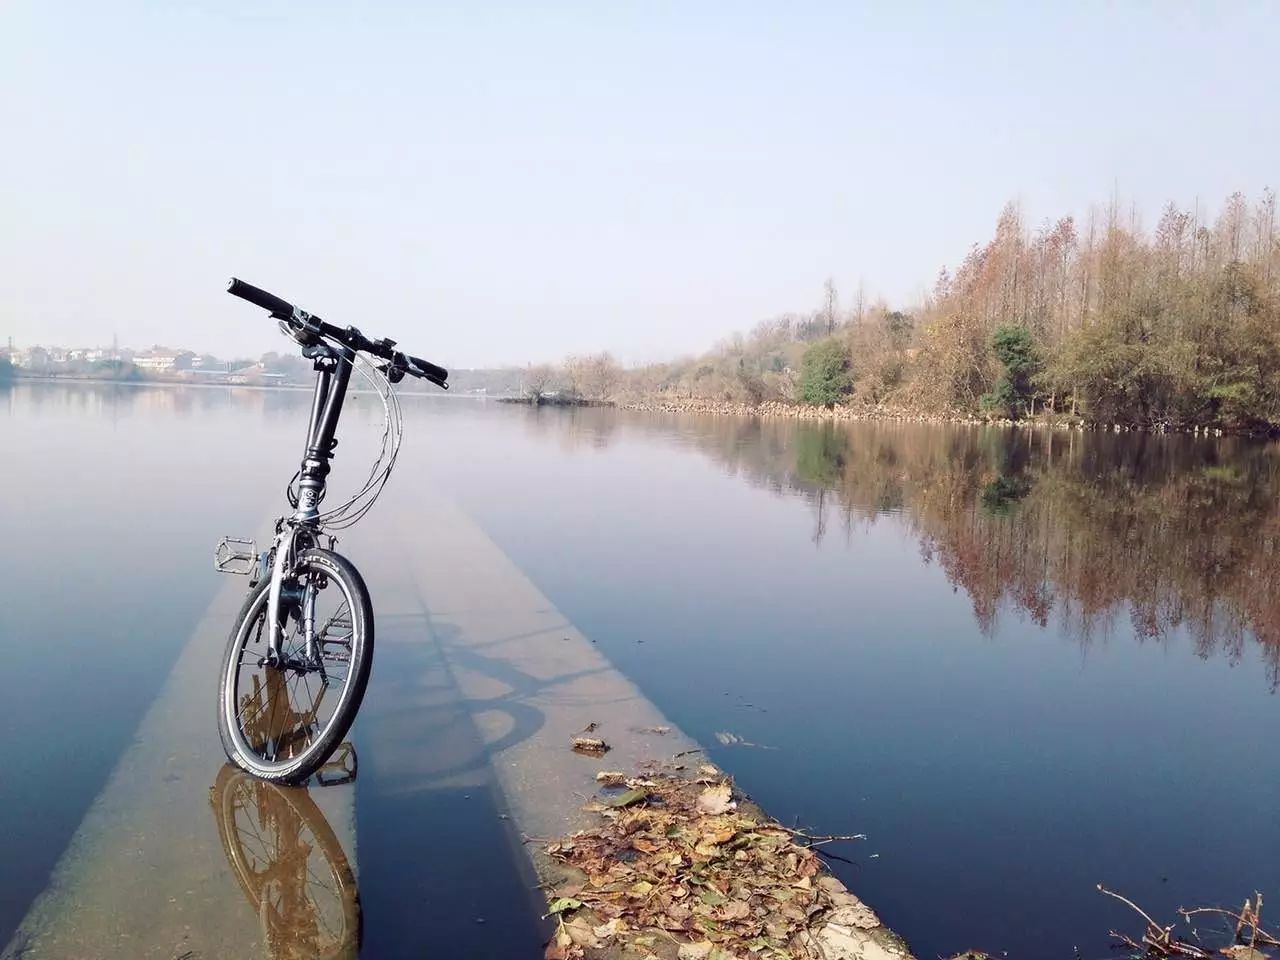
column 502, row 183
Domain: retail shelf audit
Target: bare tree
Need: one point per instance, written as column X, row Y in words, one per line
column 830, row 304
column 594, row 376
column 537, row 381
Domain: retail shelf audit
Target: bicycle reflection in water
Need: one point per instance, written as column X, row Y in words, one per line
column 289, row 862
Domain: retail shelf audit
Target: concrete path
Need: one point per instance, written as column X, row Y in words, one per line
column 146, row 875
column 493, row 683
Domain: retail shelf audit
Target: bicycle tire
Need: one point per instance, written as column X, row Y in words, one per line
column 298, row 768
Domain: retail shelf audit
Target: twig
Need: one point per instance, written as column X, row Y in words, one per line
column 1255, row 915
column 1177, row 946
column 1267, row 938
column 1165, row 931
column 818, row 839
column 1128, row 941
column 828, row 855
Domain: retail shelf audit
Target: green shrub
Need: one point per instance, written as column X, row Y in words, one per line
column 1014, row 389
column 825, row 376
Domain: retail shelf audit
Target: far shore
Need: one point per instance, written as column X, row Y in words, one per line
column 702, row 406
column 201, row 385
column 847, row 413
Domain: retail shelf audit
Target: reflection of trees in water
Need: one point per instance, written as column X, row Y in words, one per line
column 182, row 400
column 572, row 427
column 1175, row 533
column 76, row 397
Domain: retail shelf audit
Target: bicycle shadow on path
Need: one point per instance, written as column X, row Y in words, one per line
column 526, row 678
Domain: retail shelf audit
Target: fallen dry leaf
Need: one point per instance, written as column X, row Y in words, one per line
column 1241, row 951
column 734, row 910
column 715, row 800
column 580, row 933
column 613, row 928
column 562, row 904
column 695, row 951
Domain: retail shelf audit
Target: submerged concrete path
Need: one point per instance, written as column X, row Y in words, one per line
column 146, row 875
column 506, row 684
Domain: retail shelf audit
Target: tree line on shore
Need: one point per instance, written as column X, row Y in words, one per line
column 1178, row 327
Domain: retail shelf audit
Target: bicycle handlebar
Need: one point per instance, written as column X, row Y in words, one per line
column 260, row 298
column 426, row 370
column 302, row 321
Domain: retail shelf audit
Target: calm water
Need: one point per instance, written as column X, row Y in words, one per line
column 1021, row 664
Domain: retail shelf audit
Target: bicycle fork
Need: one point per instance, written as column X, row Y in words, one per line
column 284, row 556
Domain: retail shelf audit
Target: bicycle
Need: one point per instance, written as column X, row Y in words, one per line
column 308, row 620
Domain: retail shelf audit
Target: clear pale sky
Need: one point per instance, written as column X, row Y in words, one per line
column 504, row 183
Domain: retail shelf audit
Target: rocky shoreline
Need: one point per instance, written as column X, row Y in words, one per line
column 844, row 413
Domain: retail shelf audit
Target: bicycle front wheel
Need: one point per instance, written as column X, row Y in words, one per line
column 281, row 716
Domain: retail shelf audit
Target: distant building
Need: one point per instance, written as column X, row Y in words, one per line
column 155, row 360
column 256, row 373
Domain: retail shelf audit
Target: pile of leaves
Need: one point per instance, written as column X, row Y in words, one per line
column 677, row 867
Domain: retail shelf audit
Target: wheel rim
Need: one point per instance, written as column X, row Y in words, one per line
column 278, row 715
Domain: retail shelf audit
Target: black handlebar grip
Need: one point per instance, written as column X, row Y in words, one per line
column 260, row 298
column 429, row 370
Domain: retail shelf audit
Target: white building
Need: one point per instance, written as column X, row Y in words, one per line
column 155, row 361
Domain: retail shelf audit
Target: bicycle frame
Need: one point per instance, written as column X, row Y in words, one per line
column 333, row 374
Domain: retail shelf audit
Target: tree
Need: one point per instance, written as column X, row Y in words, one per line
column 537, row 380
column 751, row 382
column 594, row 376
column 1014, row 390
column 825, row 376
column 898, row 327
column 830, row 305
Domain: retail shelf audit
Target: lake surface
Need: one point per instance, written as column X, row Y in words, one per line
column 1021, row 663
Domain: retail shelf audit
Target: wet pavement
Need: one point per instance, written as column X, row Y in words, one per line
column 411, row 839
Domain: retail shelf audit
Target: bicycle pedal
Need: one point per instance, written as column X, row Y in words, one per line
column 230, row 556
